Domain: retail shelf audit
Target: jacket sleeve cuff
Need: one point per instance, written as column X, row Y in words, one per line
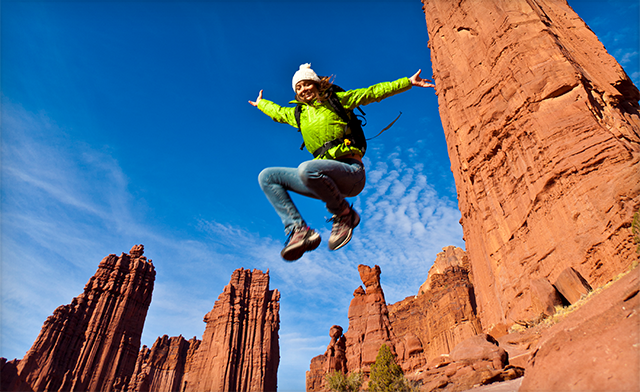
column 263, row 103
column 405, row 83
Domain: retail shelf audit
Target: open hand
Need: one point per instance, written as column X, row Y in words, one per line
column 416, row 80
column 255, row 103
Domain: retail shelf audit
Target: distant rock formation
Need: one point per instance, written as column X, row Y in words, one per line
column 162, row 367
column 239, row 350
column 369, row 328
column 543, row 134
column 92, row 343
column 417, row 329
column 333, row 360
column 336, row 351
column 450, row 257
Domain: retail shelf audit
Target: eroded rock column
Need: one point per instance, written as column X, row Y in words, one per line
column 239, row 349
column 92, row 344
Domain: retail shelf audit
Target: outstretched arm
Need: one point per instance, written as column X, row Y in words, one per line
column 416, row 80
column 255, row 103
column 276, row 112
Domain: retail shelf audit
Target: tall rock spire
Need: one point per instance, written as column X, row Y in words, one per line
column 239, row 350
column 369, row 326
column 543, row 134
column 92, row 344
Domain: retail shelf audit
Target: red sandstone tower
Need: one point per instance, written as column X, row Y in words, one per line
column 543, row 134
column 239, row 350
column 92, row 343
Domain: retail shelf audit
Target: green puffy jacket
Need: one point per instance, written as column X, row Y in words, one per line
column 320, row 124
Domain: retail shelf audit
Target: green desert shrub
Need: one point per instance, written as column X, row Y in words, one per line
column 387, row 376
column 338, row 382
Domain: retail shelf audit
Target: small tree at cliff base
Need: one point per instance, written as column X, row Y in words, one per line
column 338, row 382
column 387, row 376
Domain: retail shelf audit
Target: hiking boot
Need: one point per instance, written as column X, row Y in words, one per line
column 301, row 239
column 342, row 229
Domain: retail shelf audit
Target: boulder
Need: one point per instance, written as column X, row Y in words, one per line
column 473, row 362
column 481, row 351
column 595, row 348
column 544, row 297
column 572, row 285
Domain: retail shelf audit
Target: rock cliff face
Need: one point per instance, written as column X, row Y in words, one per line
column 440, row 317
column 92, row 343
column 450, row 257
column 543, row 134
column 239, row 350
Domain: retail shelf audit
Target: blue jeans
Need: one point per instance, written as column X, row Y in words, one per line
column 325, row 179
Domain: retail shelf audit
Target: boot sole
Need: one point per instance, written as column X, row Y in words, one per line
column 348, row 237
column 295, row 252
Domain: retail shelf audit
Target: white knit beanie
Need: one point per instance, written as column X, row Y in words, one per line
column 304, row 73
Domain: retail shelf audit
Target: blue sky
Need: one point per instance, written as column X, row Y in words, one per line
column 127, row 123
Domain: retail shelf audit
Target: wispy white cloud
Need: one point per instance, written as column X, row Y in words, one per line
column 626, row 56
column 405, row 221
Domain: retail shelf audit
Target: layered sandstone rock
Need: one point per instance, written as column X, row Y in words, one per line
column 451, row 256
column 92, row 343
column 336, row 351
column 315, row 376
column 10, row 380
column 369, row 328
column 434, row 322
column 239, row 350
column 333, row 360
column 162, row 367
column 417, row 329
column 543, row 134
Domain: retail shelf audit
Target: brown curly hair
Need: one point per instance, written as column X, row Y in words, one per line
column 323, row 88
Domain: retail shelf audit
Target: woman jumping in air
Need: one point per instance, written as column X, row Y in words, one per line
column 336, row 172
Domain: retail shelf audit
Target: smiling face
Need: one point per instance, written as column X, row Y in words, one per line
column 307, row 90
